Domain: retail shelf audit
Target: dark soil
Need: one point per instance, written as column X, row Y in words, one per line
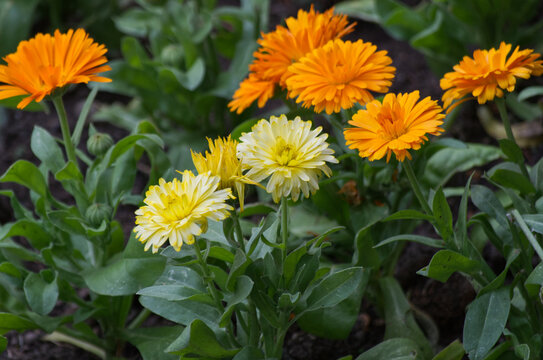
column 445, row 303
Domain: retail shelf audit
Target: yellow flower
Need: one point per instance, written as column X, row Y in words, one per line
column 488, row 74
column 398, row 124
column 280, row 48
column 340, row 74
column 221, row 160
column 287, row 151
column 45, row 62
column 179, row 210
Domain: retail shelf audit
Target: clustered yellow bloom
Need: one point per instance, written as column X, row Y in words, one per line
column 221, row 160
column 179, row 210
column 45, row 63
column 283, row 47
column 287, row 151
column 488, row 74
column 396, row 125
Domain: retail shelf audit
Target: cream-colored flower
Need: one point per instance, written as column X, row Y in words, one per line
column 179, row 210
column 287, row 151
column 222, row 161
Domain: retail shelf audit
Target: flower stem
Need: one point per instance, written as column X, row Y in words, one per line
column 284, row 227
column 416, row 188
column 138, row 320
column 237, row 229
column 500, row 102
column 213, row 291
column 58, row 336
column 65, row 128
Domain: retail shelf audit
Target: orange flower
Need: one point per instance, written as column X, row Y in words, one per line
column 280, row 48
column 487, row 74
column 45, row 62
column 339, row 74
column 398, row 124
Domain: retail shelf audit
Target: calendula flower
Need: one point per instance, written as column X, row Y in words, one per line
column 221, row 160
column 288, row 152
column 488, row 74
column 340, row 74
column 45, row 63
column 398, row 124
column 179, row 210
column 280, row 48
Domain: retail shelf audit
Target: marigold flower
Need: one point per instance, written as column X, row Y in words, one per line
column 287, row 151
column 222, row 161
column 396, row 125
column 488, row 74
column 179, row 210
column 45, row 63
column 280, row 48
column 340, row 74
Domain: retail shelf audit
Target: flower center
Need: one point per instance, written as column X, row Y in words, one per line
column 392, row 123
column 176, row 208
column 284, row 153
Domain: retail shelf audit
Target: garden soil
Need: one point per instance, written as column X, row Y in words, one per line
column 445, row 303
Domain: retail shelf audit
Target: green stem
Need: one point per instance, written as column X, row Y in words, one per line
column 60, row 336
column 416, row 188
column 284, row 227
column 254, row 330
column 500, row 102
column 237, row 229
column 65, row 128
column 213, row 291
column 138, row 320
column 531, row 238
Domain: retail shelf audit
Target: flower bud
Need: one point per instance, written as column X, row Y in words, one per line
column 99, row 143
column 96, row 213
column 172, row 55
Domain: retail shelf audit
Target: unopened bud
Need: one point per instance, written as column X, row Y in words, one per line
column 99, row 143
column 96, row 213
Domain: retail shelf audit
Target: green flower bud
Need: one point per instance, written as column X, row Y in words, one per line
column 172, row 55
column 99, row 143
column 96, row 213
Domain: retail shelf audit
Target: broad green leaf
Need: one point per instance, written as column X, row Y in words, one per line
column 151, row 342
column 443, row 215
column 69, row 172
column 535, row 222
column 10, row 269
column 513, row 180
column 176, row 292
column 3, row 343
column 249, row 353
column 361, row 9
column 436, row 243
column 240, row 263
column 529, row 92
column 221, row 253
column 485, row 322
column 16, row 19
column 393, row 349
column 10, row 322
column 304, row 223
column 446, row 162
column 135, row 270
column 244, row 286
column 41, row 291
column 500, row 279
column 46, row 149
column 199, row 339
column 454, row 351
column 535, row 280
column 30, row 230
column 27, row 174
column 334, row 288
column 399, row 317
column 134, row 54
column 511, row 150
column 244, row 127
column 409, row 214
column 446, row 262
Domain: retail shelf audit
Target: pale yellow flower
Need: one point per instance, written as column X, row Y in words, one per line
column 179, row 210
column 287, row 151
column 222, row 161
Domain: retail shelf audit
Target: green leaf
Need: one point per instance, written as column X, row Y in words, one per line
column 409, row 214
column 500, row 279
column 69, row 172
column 485, row 322
column 393, row 349
column 3, row 344
column 443, row 215
column 199, row 339
column 436, row 243
column 244, row 127
column 513, row 180
column 529, row 92
column 46, row 149
column 240, row 263
column 361, row 9
column 535, row 222
column 335, row 288
column 27, row 174
column 249, row 353
column 41, row 291
column 134, row 54
column 446, row 162
column 511, row 150
column 10, row 322
column 453, row 351
column 151, row 342
column 535, row 280
column 135, row 270
column 244, row 286
column 446, row 262
column 30, row 230
column 16, row 19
